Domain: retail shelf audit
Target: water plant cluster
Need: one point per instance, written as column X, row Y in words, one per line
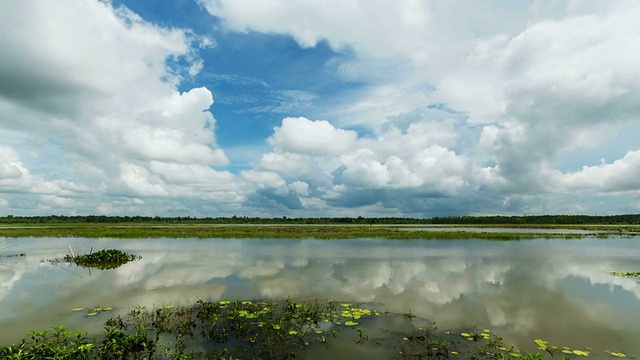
column 628, row 274
column 105, row 259
column 215, row 330
column 483, row 344
column 261, row 330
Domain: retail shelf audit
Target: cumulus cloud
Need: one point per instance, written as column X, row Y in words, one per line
column 264, row 178
column 384, row 168
column 304, row 136
column 457, row 108
column 621, row 175
column 92, row 82
column 522, row 94
column 10, row 165
column 362, row 170
column 72, row 47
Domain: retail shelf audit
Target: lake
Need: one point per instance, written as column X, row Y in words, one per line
column 554, row 289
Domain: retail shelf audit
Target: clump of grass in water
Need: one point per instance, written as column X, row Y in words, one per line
column 256, row 329
column 628, row 274
column 225, row 329
column 103, row 259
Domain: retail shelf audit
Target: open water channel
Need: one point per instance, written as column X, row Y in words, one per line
column 554, row 289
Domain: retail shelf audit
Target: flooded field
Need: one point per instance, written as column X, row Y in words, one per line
column 557, row 290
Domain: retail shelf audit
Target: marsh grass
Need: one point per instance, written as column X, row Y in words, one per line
column 269, row 231
column 261, row 329
column 215, row 330
column 627, row 274
column 105, row 259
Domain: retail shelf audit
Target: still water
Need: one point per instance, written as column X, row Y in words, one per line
column 554, row 289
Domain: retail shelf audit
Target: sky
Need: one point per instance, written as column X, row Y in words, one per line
column 307, row 108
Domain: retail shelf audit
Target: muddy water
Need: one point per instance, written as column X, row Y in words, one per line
column 557, row 290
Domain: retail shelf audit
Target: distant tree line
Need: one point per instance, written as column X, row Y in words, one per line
column 61, row 219
column 631, row 219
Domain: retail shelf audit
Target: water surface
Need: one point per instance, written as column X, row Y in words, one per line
column 558, row 290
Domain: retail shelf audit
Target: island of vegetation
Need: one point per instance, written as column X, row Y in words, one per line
column 105, row 259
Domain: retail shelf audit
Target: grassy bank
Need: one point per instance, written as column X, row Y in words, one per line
column 146, row 230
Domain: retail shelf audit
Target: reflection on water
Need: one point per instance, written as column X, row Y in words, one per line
column 558, row 290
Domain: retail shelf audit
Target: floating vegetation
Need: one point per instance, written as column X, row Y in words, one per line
column 262, row 330
column 22, row 254
column 565, row 350
column 616, row 354
column 225, row 329
column 628, row 274
column 103, row 259
column 93, row 311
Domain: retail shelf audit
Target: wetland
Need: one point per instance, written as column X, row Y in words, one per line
column 537, row 293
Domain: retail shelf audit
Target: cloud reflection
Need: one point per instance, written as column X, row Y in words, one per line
column 554, row 289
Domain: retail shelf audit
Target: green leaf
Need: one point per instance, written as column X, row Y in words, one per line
column 617, row 354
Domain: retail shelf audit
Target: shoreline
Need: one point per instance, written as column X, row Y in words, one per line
column 304, row 231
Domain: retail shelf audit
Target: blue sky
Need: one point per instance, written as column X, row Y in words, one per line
column 303, row 108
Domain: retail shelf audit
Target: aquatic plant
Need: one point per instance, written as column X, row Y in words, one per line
column 259, row 329
column 54, row 343
column 103, row 259
column 629, row 274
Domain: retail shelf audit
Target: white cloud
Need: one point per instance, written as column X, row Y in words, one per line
column 140, row 181
column 583, row 60
column 457, row 106
column 621, row 175
column 264, row 179
column 70, row 47
column 92, row 82
column 441, row 168
column 530, row 84
column 363, row 170
column 312, row 170
column 198, row 176
column 10, row 165
column 300, row 188
column 16, row 178
column 393, row 161
column 304, row 136
column 400, row 49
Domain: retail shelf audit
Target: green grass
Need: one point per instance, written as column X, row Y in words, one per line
column 628, row 274
column 105, row 259
column 279, row 231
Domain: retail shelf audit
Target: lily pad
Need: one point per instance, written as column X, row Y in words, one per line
column 617, row 354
